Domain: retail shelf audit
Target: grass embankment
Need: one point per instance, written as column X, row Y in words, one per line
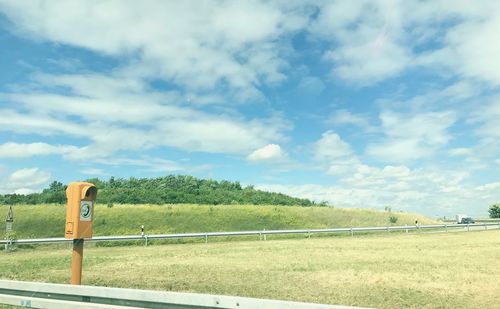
column 445, row 270
column 48, row 220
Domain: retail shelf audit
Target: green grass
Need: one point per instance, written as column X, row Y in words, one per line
column 441, row 270
column 48, row 220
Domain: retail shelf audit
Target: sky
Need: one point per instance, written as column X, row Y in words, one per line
column 367, row 104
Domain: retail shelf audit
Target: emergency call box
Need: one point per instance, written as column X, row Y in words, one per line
column 80, row 210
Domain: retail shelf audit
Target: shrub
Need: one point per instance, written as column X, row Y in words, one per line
column 494, row 211
column 393, row 219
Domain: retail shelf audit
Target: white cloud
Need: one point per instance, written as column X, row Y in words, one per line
column 197, row 46
column 457, row 152
column 411, row 137
column 400, row 150
column 330, row 147
column 432, row 192
column 271, row 152
column 375, row 40
column 488, row 118
column 25, row 181
column 367, row 39
column 16, row 150
column 243, row 44
column 334, row 154
column 115, row 114
column 474, row 46
column 344, row 117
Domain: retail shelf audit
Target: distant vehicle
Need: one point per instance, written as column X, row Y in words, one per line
column 466, row 220
column 459, row 218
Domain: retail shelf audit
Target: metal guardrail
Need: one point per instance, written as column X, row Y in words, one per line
column 49, row 295
column 255, row 233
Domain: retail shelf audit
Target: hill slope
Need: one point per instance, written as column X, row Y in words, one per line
column 48, row 220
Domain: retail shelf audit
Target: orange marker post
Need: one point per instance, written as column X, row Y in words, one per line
column 79, row 215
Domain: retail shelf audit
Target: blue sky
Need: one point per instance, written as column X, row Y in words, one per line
column 359, row 103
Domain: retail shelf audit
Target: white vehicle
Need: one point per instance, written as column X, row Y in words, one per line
column 464, row 219
column 459, row 218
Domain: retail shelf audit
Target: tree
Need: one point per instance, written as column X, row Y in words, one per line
column 494, row 211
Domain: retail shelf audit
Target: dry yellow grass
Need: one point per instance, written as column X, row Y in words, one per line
column 442, row 270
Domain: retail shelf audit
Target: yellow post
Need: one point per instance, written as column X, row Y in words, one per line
column 76, row 262
column 79, row 216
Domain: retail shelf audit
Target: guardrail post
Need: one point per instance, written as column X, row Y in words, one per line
column 206, row 238
column 265, row 235
column 352, row 232
column 146, row 237
column 260, row 235
column 446, row 228
column 308, row 234
column 406, row 228
column 387, row 229
column 467, row 227
column 485, row 227
column 8, row 245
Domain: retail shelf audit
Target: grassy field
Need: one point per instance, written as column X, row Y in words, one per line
column 440, row 270
column 48, row 220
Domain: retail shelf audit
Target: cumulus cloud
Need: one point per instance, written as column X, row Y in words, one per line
column 367, row 39
column 472, row 44
column 197, row 46
column 25, row 181
column 373, row 41
column 429, row 191
column 411, row 137
column 271, row 152
column 330, row 146
column 244, row 44
column 334, row 154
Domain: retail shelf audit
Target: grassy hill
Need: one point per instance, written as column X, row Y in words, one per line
column 35, row 221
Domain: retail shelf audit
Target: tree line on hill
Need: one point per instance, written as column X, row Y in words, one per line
column 162, row 190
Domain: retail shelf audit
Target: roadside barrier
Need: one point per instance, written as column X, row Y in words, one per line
column 63, row 296
column 261, row 234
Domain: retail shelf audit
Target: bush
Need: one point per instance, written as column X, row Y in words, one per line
column 494, row 211
column 393, row 219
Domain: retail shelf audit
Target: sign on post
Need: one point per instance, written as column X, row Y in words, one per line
column 9, row 221
column 8, row 226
